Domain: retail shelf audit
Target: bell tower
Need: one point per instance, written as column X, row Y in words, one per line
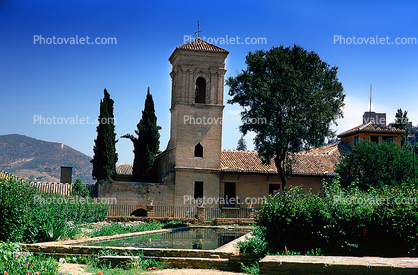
column 198, row 70
column 192, row 159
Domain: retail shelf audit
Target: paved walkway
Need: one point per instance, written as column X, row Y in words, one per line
column 77, row 269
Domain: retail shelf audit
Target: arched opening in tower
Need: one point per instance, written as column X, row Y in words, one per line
column 200, row 96
column 198, row 151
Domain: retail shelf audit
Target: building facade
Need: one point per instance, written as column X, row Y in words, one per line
column 194, row 165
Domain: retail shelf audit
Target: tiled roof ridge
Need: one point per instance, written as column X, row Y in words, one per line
column 201, row 45
column 376, row 128
column 235, row 150
column 364, row 125
column 333, row 147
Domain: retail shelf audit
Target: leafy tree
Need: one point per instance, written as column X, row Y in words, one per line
column 105, row 156
column 375, row 165
column 401, row 122
column 146, row 144
column 296, row 96
column 242, row 144
column 79, row 189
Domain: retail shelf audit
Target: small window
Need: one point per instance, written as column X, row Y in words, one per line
column 200, row 96
column 388, row 139
column 198, row 151
column 374, row 139
column 198, row 189
column 273, row 188
column 356, row 139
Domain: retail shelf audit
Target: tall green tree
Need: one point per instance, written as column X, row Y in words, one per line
column 375, row 165
column 242, row 144
column 296, row 94
column 105, row 156
column 401, row 122
column 146, row 143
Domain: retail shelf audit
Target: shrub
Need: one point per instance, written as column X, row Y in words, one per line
column 79, row 189
column 379, row 222
column 51, row 212
column 15, row 198
column 31, row 216
column 375, row 165
column 254, row 245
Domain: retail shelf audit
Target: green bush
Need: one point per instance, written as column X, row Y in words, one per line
column 51, row 212
column 377, row 222
column 31, row 216
column 15, row 199
column 79, row 189
column 376, row 165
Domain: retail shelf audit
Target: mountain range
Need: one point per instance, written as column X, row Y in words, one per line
column 38, row 160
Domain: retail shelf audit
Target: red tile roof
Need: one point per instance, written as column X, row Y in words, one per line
column 201, row 46
column 320, row 161
column 371, row 128
column 124, row 169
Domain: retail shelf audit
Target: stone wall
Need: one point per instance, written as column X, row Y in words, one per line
column 185, row 181
column 336, row 265
column 136, row 193
column 256, row 185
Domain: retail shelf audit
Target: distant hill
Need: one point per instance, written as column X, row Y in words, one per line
column 39, row 160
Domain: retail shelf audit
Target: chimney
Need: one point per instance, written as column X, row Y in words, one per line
column 66, row 174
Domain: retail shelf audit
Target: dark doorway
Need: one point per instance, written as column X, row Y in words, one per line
column 273, row 188
column 200, row 90
column 230, row 193
column 139, row 213
column 198, row 189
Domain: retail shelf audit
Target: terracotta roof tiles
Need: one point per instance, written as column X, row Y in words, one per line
column 319, row 161
column 201, row 46
column 124, row 169
column 370, row 127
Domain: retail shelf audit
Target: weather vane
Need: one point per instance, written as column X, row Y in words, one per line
column 198, row 31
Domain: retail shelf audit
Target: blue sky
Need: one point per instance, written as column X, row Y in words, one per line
column 67, row 81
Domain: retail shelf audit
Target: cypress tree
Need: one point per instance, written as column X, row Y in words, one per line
column 146, row 144
column 242, row 145
column 105, row 156
column 401, row 122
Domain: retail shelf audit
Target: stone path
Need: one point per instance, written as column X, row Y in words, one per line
column 72, row 269
column 77, row 269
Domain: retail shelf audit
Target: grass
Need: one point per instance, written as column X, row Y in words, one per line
column 116, row 228
column 95, row 266
column 129, row 240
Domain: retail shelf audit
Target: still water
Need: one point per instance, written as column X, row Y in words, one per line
column 191, row 238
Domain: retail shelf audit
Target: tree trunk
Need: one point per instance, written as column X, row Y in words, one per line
column 279, row 161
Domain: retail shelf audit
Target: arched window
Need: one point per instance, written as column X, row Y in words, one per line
column 198, row 151
column 200, row 96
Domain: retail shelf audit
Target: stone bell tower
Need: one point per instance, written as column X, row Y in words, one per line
column 198, row 70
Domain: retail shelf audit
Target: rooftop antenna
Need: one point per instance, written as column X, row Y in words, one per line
column 370, row 107
column 198, row 30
